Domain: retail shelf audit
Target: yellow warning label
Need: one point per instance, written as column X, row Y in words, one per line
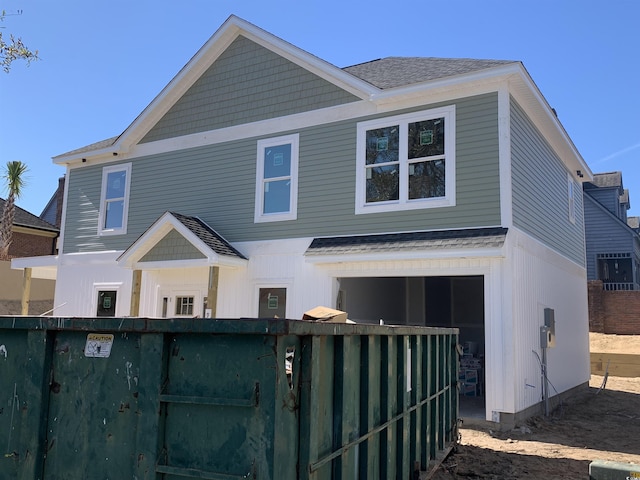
column 98, row 345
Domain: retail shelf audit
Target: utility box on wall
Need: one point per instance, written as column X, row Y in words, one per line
column 548, row 330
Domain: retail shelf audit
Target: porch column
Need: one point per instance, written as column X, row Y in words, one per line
column 135, row 293
column 212, row 292
column 26, row 290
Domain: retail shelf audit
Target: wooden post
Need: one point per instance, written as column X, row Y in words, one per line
column 212, row 291
column 26, row 290
column 135, row 293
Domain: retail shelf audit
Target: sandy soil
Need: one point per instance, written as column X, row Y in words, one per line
column 596, row 424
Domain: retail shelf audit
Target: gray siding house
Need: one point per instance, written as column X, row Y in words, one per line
column 613, row 244
column 264, row 181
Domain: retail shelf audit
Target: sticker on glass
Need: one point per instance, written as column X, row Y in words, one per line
column 272, row 302
column 426, row 137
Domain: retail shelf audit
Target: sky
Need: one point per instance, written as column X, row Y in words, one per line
column 103, row 61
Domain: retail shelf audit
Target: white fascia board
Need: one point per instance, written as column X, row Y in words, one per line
column 167, row 222
column 217, row 261
column 529, row 97
column 147, row 240
column 34, row 262
column 456, row 83
column 43, row 267
column 275, row 126
column 203, row 59
column 106, row 257
column 315, row 65
column 497, row 252
column 520, row 86
column 81, row 159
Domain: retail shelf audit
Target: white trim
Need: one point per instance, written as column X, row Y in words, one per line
column 571, row 198
column 261, row 184
column 63, row 218
column 126, row 167
column 404, row 203
column 504, row 156
column 107, row 286
column 130, row 258
column 286, row 284
column 497, row 252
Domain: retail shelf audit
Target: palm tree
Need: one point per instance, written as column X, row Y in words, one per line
column 13, row 176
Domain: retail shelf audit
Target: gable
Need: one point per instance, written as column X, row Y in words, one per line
column 173, row 246
column 247, row 83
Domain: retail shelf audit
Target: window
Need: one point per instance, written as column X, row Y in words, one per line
column 184, row 306
column 272, row 303
column 406, row 162
column 572, row 198
column 106, row 303
column 277, row 179
column 114, row 200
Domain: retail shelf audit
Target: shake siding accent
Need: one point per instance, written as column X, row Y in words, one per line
column 173, row 246
column 217, row 183
column 539, row 183
column 246, row 83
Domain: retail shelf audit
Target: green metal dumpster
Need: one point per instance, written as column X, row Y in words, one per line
column 132, row 398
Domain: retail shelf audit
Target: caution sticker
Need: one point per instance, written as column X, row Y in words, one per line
column 98, row 345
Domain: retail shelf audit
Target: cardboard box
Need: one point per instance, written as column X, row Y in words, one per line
column 326, row 314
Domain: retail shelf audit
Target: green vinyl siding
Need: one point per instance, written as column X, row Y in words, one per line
column 217, row 183
column 539, row 185
column 173, row 246
column 247, row 83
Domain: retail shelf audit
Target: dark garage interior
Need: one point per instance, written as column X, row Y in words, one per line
column 440, row 301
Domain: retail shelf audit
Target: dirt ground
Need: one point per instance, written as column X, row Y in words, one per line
column 596, row 424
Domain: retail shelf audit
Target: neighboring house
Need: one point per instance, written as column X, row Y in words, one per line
column 32, row 236
column 52, row 212
column 613, row 244
column 264, row 181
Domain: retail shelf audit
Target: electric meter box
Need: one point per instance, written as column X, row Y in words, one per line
column 548, row 330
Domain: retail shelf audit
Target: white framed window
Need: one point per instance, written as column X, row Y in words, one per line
column 272, row 301
column 105, row 299
column 184, row 305
column 277, row 179
column 406, row 161
column 571, row 197
column 114, row 200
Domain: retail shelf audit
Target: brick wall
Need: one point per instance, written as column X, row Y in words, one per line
column 25, row 245
column 615, row 312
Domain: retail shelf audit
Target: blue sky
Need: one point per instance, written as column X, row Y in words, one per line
column 102, row 62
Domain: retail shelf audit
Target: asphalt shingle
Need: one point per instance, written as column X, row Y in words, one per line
column 396, row 242
column 391, row 72
column 25, row 219
column 208, row 235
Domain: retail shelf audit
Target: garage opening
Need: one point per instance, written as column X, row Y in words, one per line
column 443, row 301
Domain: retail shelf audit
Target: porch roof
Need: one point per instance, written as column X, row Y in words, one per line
column 476, row 238
column 199, row 245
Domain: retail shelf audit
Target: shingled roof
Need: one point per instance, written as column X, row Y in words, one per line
column 28, row 220
column 412, row 241
column 383, row 73
column 608, row 179
column 208, row 235
column 391, row 72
